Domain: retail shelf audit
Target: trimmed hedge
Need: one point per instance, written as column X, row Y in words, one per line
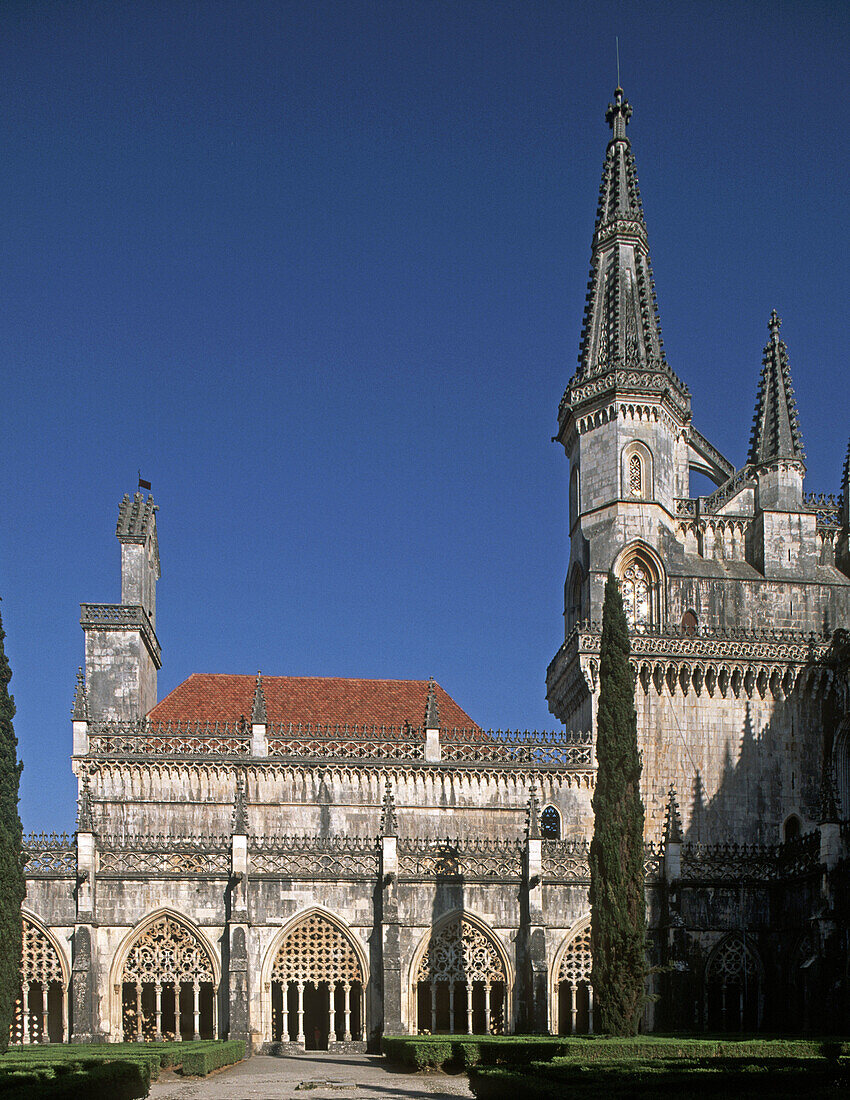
column 201, row 1062
column 466, row 1051
column 778, row 1078
column 94, row 1079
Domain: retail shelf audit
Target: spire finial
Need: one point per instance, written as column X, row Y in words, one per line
column 672, row 819
column 389, row 819
column 80, row 712
column 259, row 715
column 85, row 822
column 432, row 707
column 240, row 806
column 776, row 429
column 618, row 114
column 532, row 826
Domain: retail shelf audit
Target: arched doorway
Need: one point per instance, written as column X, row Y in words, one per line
column 733, row 987
column 41, row 1005
column 317, row 986
column 573, row 991
column 167, row 984
column 460, row 982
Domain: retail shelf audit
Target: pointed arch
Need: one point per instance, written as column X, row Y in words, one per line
column 636, row 472
column 643, row 584
column 314, row 978
column 570, row 989
column 734, row 985
column 41, row 1007
column 460, row 952
column 164, row 979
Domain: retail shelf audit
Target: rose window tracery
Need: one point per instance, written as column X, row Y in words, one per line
column 316, row 951
column 167, row 951
column 461, row 952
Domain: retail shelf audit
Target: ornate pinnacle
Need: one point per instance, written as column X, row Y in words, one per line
column 829, row 800
column 85, row 822
column 259, row 715
column 618, row 114
column 776, row 429
column 532, row 815
column 80, row 711
column 672, row 820
column 240, row 807
column 432, row 707
column 389, row 819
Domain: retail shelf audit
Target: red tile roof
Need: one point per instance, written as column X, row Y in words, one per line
column 317, row 700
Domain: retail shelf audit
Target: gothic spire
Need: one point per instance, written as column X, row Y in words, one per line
column 240, row 806
column 532, row 815
column 621, row 326
column 389, row 818
column 776, row 432
column 80, row 712
column 85, row 818
column 432, row 707
column 259, row 715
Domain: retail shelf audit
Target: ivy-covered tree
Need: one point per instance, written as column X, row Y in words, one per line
column 617, row 903
column 12, row 887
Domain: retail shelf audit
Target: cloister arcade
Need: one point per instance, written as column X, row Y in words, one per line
column 317, row 985
column 461, row 980
column 572, row 1004
column 167, row 983
column 41, row 1008
column 733, row 987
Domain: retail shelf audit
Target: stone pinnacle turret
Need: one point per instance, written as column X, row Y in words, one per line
column 776, row 431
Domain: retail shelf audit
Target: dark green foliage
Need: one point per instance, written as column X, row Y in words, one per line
column 67, row 1079
column 199, row 1063
column 617, row 903
column 12, row 887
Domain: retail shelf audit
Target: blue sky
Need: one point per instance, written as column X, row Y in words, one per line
column 319, row 270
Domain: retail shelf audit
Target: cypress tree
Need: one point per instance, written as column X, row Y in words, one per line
column 617, row 904
column 12, row 886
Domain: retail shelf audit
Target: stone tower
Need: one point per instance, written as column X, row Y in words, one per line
column 728, row 710
column 122, row 650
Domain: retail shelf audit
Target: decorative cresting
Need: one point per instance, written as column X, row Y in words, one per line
column 461, row 954
column 41, row 1006
column 573, row 991
column 733, row 987
column 317, row 953
column 168, row 978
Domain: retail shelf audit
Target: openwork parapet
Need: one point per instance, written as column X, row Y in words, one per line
column 828, row 508
column 164, row 855
column 306, row 742
column 49, row 855
column 566, row 861
column 170, row 739
column 736, row 863
column 566, row 749
column 310, row 857
column 423, row 858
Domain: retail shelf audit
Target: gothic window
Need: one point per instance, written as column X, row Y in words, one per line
column 39, row 1015
column 791, row 828
column 317, row 986
column 574, row 502
column 550, row 824
column 732, row 987
column 689, row 624
column 635, row 477
column 461, row 982
column 168, row 984
column 636, row 587
column 575, row 608
column 574, row 993
column 841, row 766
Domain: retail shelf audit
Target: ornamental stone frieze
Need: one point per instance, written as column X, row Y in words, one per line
column 740, row 662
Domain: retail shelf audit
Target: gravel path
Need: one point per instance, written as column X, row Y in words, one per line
column 311, row 1077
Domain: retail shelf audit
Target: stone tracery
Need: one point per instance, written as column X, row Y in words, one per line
column 574, row 992
column 461, row 954
column 40, row 1007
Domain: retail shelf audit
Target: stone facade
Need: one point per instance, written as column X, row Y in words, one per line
column 314, row 863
